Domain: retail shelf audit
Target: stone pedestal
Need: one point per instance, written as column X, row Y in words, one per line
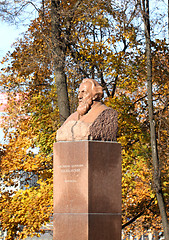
column 87, row 190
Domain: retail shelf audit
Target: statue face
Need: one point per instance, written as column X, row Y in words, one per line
column 85, row 98
column 85, row 92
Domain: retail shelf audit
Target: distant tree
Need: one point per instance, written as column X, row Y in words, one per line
column 168, row 21
column 144, row 4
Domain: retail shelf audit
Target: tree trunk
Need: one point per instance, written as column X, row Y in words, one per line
column 58, row 53
column 168, row 21
column 156, row 168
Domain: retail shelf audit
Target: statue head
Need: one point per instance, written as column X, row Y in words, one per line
column 89, row 92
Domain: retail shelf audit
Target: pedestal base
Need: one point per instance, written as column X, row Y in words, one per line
column 87, row 190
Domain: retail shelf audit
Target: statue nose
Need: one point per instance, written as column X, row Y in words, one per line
column 79, row 96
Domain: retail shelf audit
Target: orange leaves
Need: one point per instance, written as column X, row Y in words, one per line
column 30, row 208
column 30, row 130
column 131, row 103
column 136, row 171
column 102, row 43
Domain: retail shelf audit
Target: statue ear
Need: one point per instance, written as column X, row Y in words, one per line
column 95, row 97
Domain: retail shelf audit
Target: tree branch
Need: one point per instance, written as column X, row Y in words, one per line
column 138, row 215
column 24, row 5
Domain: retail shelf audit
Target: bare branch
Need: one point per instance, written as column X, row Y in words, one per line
column 27, row 3
column 138, row 215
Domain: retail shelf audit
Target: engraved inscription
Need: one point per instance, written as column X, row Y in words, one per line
column 70, row 170
column 70, row 181
column 73, row 168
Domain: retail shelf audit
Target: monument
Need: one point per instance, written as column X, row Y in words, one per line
column 87, row 171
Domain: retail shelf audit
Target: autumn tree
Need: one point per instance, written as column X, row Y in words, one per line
column 98, row 39
column 28, row 149
column 156, row 171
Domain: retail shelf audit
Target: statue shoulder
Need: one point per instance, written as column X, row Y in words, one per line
column 105, row 126
column 72, row 117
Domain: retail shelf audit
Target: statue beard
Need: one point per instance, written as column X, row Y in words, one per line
column 84, row 107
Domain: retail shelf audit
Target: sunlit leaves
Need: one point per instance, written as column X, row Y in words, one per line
column 103, row 43
column 27, row 210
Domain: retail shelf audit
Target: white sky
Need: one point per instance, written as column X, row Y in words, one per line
column 9, row 34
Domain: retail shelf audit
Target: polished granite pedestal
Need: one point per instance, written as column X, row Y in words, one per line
column 87, row 190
